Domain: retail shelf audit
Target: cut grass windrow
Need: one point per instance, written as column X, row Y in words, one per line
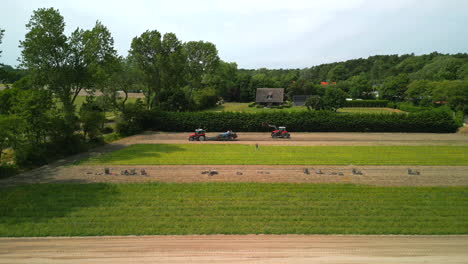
column 230, row 208
column 236, row 154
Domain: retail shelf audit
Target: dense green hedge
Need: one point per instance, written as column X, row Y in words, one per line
column 366, row 103
column 313, row 121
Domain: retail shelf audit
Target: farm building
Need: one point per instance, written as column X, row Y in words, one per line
column 270, row 96
column 299, row 100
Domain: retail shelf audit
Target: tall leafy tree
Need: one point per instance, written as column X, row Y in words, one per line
column 334, row 99
column 173, row 62
column 224, row 79
column 419, row 90
column 126, row 77
column 146, row 53
column 338, row 73
column 360, row 87
column 202, row 58
column 440, row 68
column 394, row 87
column 66, row 65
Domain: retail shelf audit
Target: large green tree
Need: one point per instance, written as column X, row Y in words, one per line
column 126, row 78
column 455, row 93
column 338, row 73
column 394, row 87
column 173, row 63
column 360, row 87
column 202, row 58
column 162, row 63
column 334, row 99
column 224, row 80
column 146, row 52
column 419, row 92
column 66, row 65
column 440, row 68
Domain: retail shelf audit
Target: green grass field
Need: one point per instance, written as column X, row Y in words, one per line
column 228, row 208
column 243, row 107
column 214, row 154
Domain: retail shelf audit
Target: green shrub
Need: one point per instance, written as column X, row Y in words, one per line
column 259, row 106
column 252, row 104
column 314, row 121
column 107, row 130
column 8, row 170
column 367, row 103
column 92, row 119
column 32, row 155
column 287, row 104
column 205, row 98
column 132, row 119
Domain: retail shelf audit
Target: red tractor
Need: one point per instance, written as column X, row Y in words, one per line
column 199, row 135
column 279, row 132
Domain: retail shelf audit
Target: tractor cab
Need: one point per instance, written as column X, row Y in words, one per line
column 281, row 129
column 199, row 131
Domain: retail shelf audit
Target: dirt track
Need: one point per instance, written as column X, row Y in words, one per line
column 312, row 139
column 236, row 249
column 371, row 175
column 60, row 171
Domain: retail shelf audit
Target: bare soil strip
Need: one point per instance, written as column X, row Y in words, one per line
column 236, row 249
column 368, row 175
column 374, row 175
column 313, row 139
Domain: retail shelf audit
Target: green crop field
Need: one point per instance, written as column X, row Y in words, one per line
column 228, row 208
column 218, row 154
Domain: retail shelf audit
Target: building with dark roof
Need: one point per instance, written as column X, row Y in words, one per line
column 270, row 96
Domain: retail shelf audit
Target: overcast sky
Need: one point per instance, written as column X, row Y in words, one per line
column 264, row 33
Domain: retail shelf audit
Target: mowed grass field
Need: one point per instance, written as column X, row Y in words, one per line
column 236, row 154
column 244, row 107
column 230, row 208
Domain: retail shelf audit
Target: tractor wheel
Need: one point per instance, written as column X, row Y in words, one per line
column 288, row 135
column 191, row 139
column 202, row 138
column 273, row 135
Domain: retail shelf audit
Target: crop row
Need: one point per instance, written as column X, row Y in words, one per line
column 234, row 208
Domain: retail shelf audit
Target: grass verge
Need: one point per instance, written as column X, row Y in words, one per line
column 236, row 154
column 230, row 208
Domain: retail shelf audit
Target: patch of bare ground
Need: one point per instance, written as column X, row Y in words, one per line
column 368, row 175
column 463, row 130
column 236, row 249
